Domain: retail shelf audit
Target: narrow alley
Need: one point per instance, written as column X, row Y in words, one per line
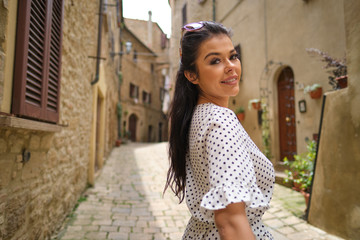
column 127, row 203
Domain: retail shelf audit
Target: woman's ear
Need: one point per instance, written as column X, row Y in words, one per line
column 191, row 76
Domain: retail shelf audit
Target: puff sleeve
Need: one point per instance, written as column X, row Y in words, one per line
column 231, row 172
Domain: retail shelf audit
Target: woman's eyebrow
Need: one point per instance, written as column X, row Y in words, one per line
column 211, row 54
column 217, row 54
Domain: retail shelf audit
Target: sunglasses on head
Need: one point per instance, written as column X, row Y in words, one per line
column 190, row 27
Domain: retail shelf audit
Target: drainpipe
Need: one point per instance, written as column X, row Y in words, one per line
column 214, row 11
column 98, row 44
column 316, row 157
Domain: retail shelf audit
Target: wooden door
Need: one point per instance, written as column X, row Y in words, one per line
column 132, row 127
column 150, row 130
column 160, row 132
column 287, row 127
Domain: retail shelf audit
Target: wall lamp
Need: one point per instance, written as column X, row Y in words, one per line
column 128, row 47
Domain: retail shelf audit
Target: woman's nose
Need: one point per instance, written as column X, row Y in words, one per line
column 229, row 66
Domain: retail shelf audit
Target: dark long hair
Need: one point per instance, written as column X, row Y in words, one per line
column 183, row 105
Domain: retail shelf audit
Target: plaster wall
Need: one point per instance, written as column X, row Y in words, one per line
column 335, row 197
column 273, row 35
column 8, row 15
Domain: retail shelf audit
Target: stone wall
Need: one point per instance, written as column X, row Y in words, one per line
column 36, row 196
column 141, row 74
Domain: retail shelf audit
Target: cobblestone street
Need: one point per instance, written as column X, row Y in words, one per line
column 127, row 203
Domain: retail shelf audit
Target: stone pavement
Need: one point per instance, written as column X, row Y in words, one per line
column 127, row 203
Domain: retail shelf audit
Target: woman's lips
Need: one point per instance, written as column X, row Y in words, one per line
column 231, row 80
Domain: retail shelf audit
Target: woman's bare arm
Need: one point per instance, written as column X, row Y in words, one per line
column 232, row 223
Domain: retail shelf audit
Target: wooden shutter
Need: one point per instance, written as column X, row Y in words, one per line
column 38, row 60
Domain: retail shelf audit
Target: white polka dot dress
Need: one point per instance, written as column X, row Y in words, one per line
column 224, row 166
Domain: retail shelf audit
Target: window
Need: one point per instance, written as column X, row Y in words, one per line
column 134, row 91
column 37, row 70
column 135, row 56
column 162, row 94
column 146, row 97
column 163, row 40
column 238, row 50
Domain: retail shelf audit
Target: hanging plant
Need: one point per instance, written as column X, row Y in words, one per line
column 254, row 104
column 338, row 68
column 265, row 129
column 315, row 91
column 120, row 76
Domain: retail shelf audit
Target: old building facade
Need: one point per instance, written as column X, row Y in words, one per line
column 145, row 69
column 49, row 154
column 273, row 38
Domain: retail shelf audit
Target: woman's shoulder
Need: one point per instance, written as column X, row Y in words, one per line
column 213, row 109
column 212, row 113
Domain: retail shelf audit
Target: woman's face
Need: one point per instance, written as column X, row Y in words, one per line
column 219, row 70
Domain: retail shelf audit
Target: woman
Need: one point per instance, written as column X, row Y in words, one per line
column 227, row 181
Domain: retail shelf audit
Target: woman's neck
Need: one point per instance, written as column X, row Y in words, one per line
column 217, row 101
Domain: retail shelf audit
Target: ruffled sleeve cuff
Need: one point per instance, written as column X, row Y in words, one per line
column 220, row 196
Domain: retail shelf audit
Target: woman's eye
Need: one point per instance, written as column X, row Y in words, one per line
column 235, row 56
column 215, row 61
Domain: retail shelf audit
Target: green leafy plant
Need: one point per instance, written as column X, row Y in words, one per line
column 265, row 129
column 120, row 77
column 239, row 110
column 301, row 170
column 337, row 67
column 311, row 88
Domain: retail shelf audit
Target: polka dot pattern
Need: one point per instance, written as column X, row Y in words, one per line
column 224, row 166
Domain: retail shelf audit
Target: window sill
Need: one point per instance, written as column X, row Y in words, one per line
column 15, row 122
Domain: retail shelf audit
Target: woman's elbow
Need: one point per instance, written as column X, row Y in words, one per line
column 232, row 223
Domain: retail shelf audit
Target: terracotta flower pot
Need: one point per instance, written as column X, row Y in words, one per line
column 241, row 116
column 118, row 142
column 297, row 186
column 317, row 93
column 307, row 197
column 256, row 105
column 341, row 81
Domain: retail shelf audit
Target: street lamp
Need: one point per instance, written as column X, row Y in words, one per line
column 128, row 47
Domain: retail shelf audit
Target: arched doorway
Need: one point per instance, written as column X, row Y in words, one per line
column 286, row 101
column 150, row 132
column 132, row 127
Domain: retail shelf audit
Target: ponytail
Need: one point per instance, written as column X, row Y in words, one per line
column 182, row 108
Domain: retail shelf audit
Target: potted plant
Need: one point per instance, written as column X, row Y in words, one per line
column 118, row 142
column 255, row 104
column 240, row 113
column 341, row 81
column 315, row 90
column 338, row 68
column 301, row 170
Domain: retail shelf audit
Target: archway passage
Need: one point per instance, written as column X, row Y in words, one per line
column 132, row 127
column 286, row 101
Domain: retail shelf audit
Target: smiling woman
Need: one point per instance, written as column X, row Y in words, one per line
column 227, row 181
column 218, row 71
